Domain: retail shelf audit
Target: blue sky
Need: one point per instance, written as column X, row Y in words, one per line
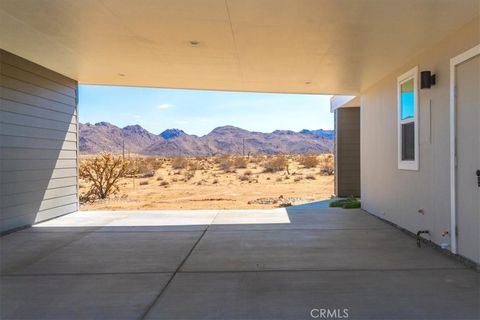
column 198, row 112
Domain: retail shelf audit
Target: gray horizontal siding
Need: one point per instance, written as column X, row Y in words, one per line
column 40, row 113
column 34, row 142
column 36, row 164
column 38, row 143
column 34, row 101
column 19, row 198
column 17, row 187
column 16, row 130
column 38, row 216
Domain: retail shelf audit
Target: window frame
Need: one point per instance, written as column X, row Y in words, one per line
column 408, row 164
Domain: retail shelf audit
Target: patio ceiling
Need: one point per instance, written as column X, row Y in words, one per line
column 297, row 46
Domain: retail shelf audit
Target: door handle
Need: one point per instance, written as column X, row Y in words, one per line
column 478, row 178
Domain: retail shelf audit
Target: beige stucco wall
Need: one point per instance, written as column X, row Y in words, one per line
column 397, row 195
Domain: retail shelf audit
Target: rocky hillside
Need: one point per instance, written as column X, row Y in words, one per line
column 104, row 136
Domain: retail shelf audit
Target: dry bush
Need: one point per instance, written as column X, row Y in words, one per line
column 227, row 166
column 194, row 165
column 308, row 160
column 248, row 173
column 174, row 180
column 256, row 159
column 140, row 168
column 159, row 179
column 310, row 177
column 327, row 165
column 275, row 164
column 145, row 167
column 188, row 175
column 240, row 162
column 298, row 178
column 143, row 183
column 279, row 179
column 220, row 159
column 244, row 177
column 103, row 173
column 215, row 181
column 164, row 184
column 155, row 163
column 179, row 163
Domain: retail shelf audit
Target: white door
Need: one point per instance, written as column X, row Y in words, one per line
column 468, row 158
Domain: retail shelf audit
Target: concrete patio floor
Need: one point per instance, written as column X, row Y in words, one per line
column 237, row 264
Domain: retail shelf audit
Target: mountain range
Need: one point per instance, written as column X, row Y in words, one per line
column 106, row 137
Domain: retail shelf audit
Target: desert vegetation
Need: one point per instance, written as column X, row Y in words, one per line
column 219, row 182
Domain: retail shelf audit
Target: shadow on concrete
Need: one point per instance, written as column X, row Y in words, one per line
column 228, row 264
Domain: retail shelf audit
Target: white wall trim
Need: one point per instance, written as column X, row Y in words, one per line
column 467, row 55
column 402, row 164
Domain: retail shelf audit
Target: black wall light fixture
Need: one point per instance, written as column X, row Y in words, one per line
column 427, row 79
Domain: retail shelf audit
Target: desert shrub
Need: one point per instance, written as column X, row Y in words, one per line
column 327, row 165
column 220, row 159
column 145, row 167
column 159, row 178
column 164, row 184
column 194, row 165
column 248, row 173
column 297, row 178
column 227, row 166
column 279, row 179
column 138, row 167
column 349, row 203
column 188, row 175
column 244, row 177
column 153, row 162
column 308, row 160
column 240, row 162
column 103, row 172
column 275, row 164
column 310, row 177
column 179, row 163
column 256, row 159
column 174, row 180
column 143, row 183
column 215, row 181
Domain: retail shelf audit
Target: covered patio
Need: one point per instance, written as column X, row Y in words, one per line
column 241, row 264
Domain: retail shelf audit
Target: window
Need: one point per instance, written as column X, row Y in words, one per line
column 408, row 120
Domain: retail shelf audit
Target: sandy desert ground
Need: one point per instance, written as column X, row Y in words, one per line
column 221, row 183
